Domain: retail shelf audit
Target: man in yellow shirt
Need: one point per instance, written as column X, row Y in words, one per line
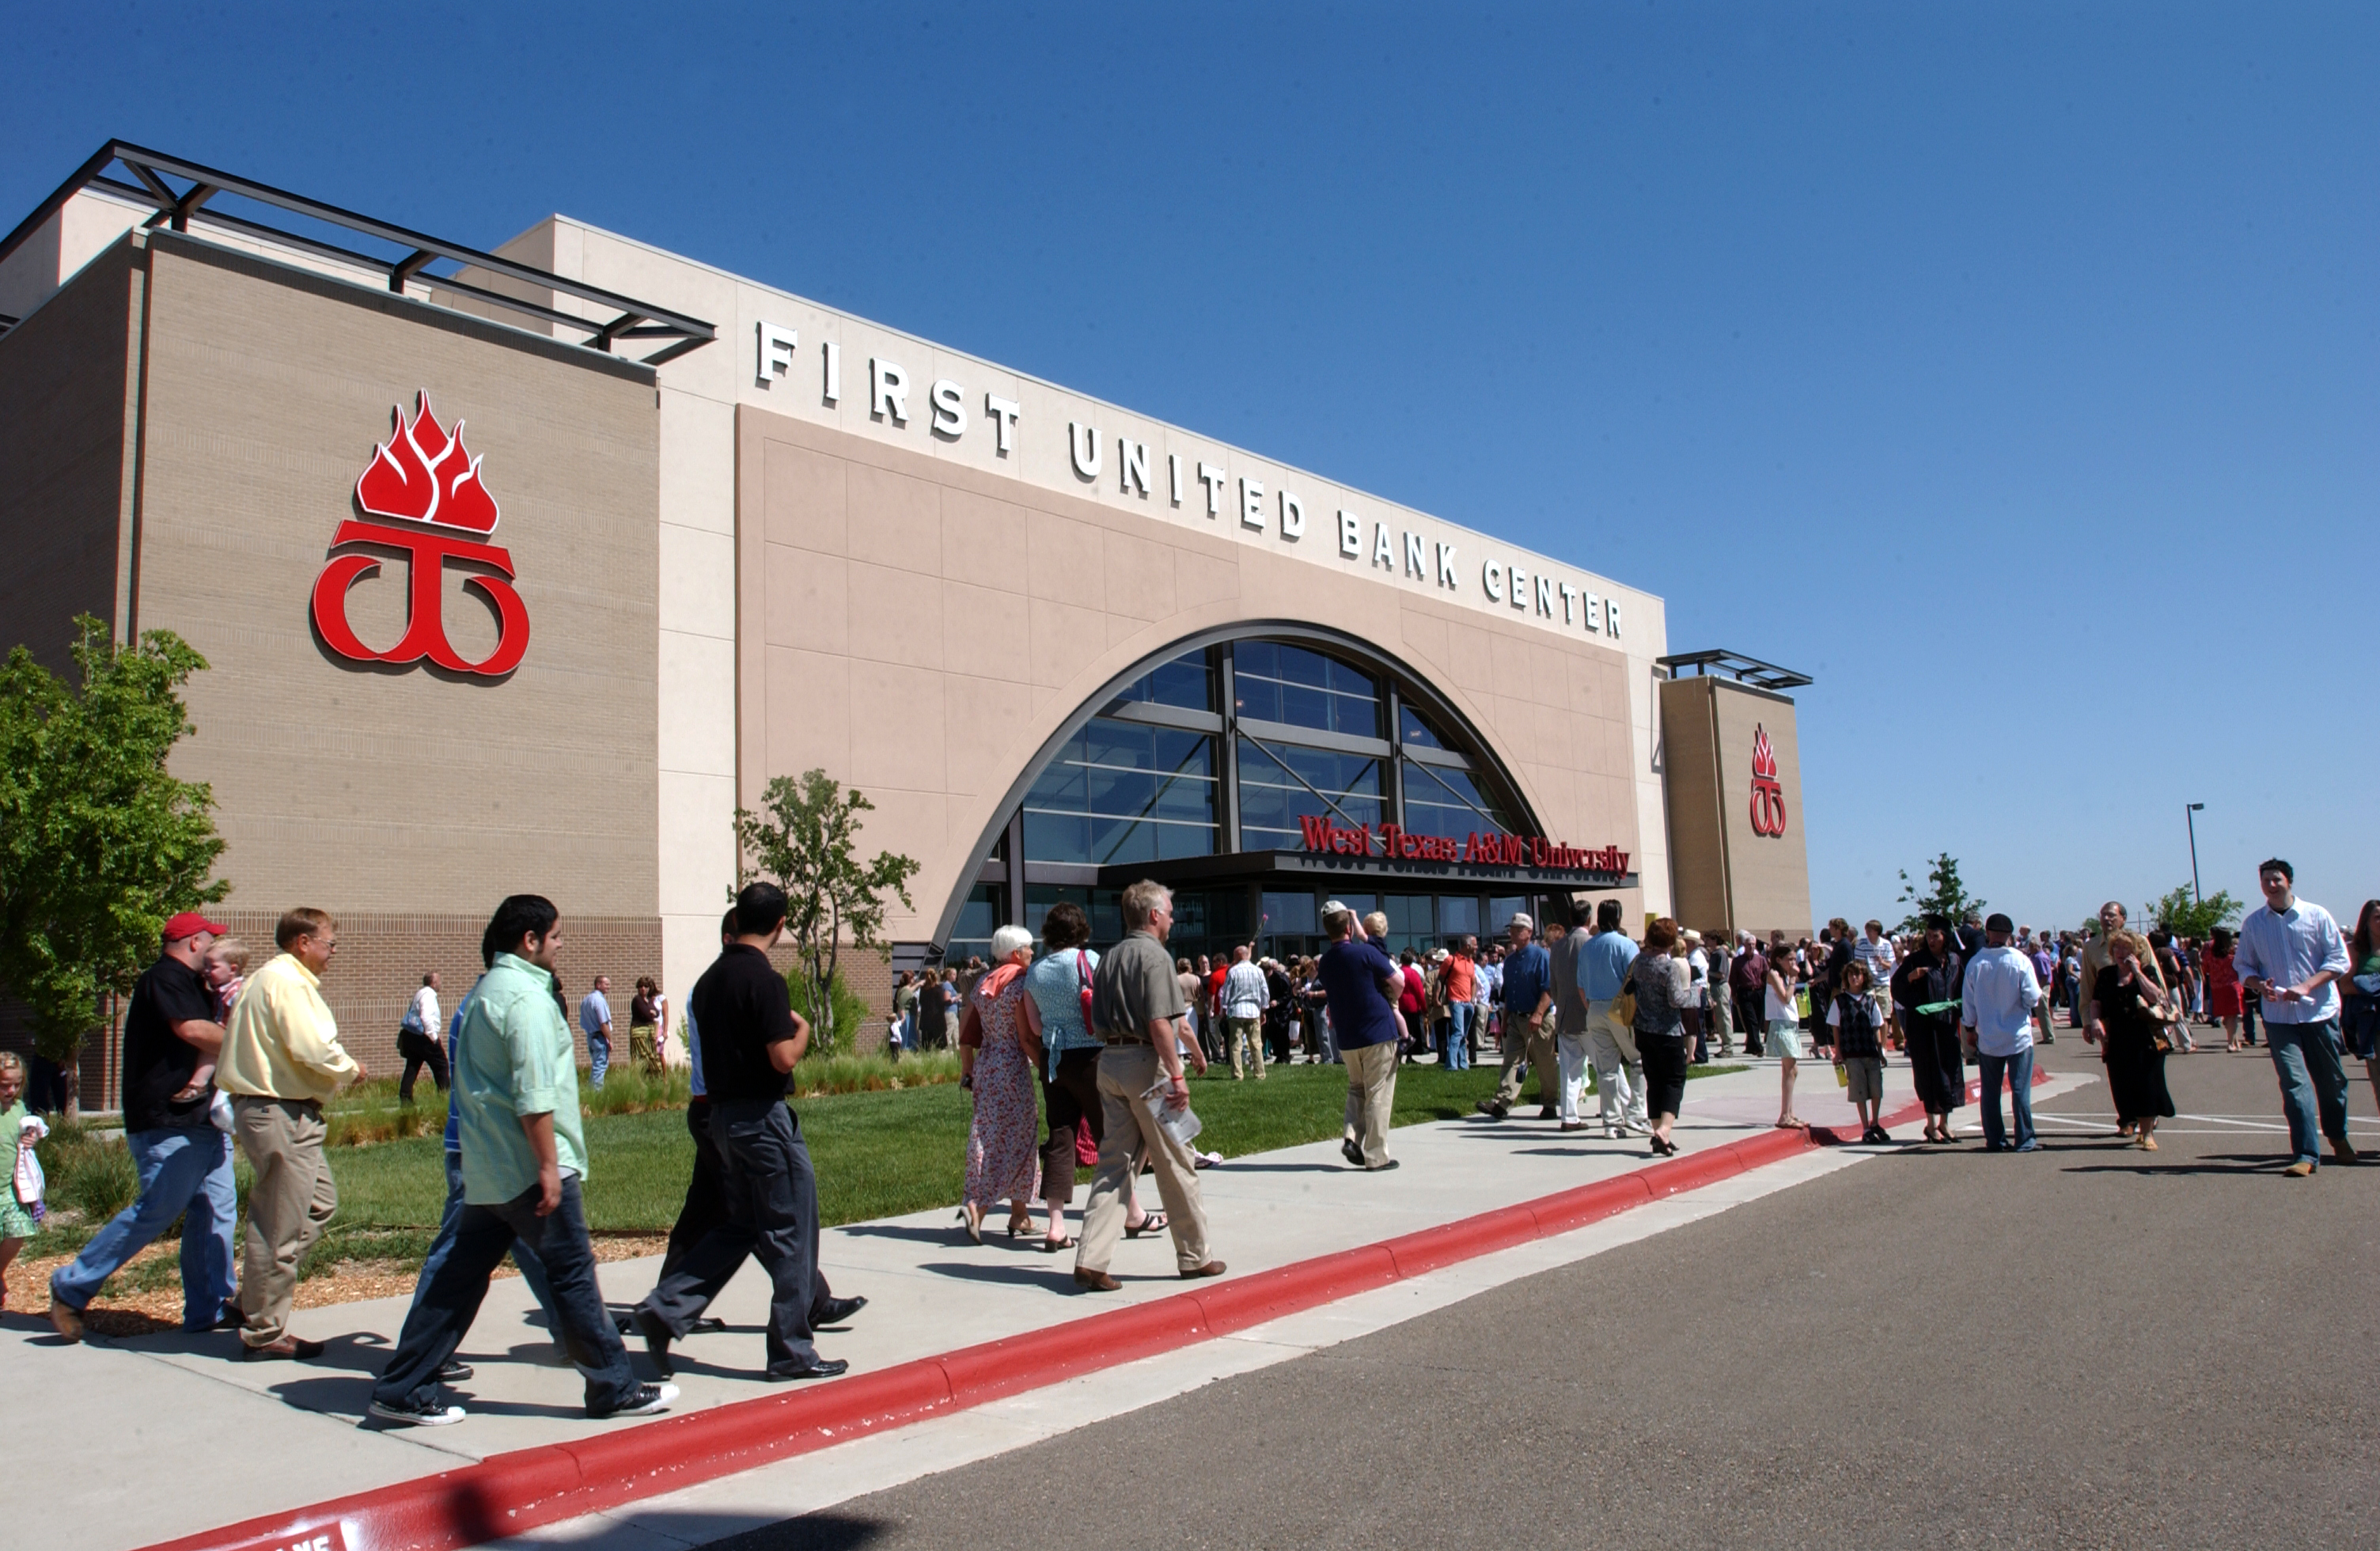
column 281, row 1059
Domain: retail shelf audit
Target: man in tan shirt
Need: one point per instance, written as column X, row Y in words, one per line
column 281, row 1059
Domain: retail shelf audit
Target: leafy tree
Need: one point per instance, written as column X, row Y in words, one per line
column 804, row 839
column 99, row 843
column 2181, row 915
column 1944, row 895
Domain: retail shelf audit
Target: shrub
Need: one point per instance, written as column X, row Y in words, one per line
column 87, row 1173
column 841, row 1031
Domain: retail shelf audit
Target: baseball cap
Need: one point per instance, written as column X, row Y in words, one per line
column 1521, row 919
column 1999, row 923
column 1332, row 907
column 190, row 922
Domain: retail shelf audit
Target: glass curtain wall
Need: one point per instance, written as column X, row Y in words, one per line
column 1224, row 749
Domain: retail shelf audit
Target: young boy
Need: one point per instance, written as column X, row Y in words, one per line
column 1859, row 1048
column 226, row 973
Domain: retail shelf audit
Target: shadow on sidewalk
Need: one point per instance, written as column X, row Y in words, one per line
column 1058, row 1278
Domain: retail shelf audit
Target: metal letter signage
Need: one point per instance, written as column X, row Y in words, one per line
column 423, row 475
column 1767, row 792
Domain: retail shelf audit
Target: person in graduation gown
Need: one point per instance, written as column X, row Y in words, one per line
column 1932, row 974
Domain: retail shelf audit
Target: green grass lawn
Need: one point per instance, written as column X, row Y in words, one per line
column 878, row 1154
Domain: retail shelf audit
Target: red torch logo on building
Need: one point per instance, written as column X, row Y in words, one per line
column 1767, row 792
column 423, row 475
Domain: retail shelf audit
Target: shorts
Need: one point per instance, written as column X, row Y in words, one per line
column 1867, row 1079
column 1785, row 1039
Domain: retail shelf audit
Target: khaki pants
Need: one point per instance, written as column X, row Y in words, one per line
column 1371, row 1095
column 1720, row 1019
column 1130, row 1128
column 288, row 1206
column 1247, row 1037
column 1536, row 1047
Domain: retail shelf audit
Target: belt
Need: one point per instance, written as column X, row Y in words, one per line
column 1114, row 1040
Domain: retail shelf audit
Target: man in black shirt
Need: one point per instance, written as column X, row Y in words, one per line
column 184, row 1161
column 752, row 1038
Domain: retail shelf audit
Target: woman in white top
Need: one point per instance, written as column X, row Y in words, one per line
column 1784, row 1034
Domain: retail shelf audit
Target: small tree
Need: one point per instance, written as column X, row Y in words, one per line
column 1945, row 895
column 99, row 843
column 802, row 839
column 2184, row 915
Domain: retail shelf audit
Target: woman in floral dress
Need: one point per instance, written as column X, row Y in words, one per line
column 1001, row 1059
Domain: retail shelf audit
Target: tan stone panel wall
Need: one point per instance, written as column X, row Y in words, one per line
column 919, row 629
column 1698, row 837
column 62, row 377
column 1770, row 875
column 391, row 791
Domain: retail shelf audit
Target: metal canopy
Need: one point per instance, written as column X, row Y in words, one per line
column 155, row 179
column 1734, row 665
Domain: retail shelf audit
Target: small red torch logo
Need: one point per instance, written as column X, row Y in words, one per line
column 1767, row 792
column 423, row 474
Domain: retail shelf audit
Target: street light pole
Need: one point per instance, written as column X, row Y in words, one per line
column 2189, row 816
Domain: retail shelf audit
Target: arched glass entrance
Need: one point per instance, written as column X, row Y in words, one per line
column 1214, row 767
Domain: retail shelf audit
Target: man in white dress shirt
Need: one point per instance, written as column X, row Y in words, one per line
column 1997, row 1008
column 2290, row 951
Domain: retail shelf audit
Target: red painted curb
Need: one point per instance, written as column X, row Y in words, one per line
column 509, row 1493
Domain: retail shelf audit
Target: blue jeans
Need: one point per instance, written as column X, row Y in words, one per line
column 180, row 1171
column 2314, row 1083
column 599, row 1058
column 445, row 1304
column 532, row 1270
column 1456, row 1056
column 2018, row 1070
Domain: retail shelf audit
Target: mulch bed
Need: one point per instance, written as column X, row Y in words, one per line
column 160, row 1309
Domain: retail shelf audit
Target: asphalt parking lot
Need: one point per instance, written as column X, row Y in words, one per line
column 2085, row 1346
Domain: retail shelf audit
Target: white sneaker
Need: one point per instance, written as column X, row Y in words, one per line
column 431, row 1416
column 651, row 1400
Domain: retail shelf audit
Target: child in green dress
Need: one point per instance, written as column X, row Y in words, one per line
column 19, row 1132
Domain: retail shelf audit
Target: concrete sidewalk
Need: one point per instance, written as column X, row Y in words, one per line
column 144, row 1439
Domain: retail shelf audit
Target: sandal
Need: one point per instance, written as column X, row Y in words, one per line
column 1154, row 1222
column 1790, row 1124
column 1051, row 1246
column 1019, row 1227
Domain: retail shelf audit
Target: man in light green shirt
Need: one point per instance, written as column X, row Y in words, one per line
column 516, row 1095
column 515, row 1067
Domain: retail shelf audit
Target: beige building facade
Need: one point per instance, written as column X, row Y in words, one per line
column 1056, row 643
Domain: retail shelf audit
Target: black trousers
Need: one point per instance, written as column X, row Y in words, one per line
column 1750, row 1020
column 706, row 1194
column 1665, row 1071
column 420, row 1050
column 1074, row 1097
column 772, row 1195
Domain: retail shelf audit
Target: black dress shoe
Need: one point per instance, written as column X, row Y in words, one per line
column 657, row 1341
column 835, row 1311
column 1352, row 1153
column 823, row 1367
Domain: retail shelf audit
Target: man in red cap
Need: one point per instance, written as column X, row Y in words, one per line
column 183, row 1160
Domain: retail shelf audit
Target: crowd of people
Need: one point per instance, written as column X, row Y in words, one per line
column 215, row 1058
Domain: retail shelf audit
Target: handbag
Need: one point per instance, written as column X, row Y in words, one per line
column 1083, row 980
column 1624, row 1007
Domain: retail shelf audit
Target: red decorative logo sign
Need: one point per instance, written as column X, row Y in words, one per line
column 423, row 474
column 1322, row 836
column 1767, row 792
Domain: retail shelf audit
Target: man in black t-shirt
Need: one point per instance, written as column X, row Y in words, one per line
column 752, row 1038
column 183, row 1160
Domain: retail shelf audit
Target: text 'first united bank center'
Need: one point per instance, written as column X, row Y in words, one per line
column 524, row 568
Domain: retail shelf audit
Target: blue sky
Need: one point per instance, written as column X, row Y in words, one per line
column 2009, row 368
